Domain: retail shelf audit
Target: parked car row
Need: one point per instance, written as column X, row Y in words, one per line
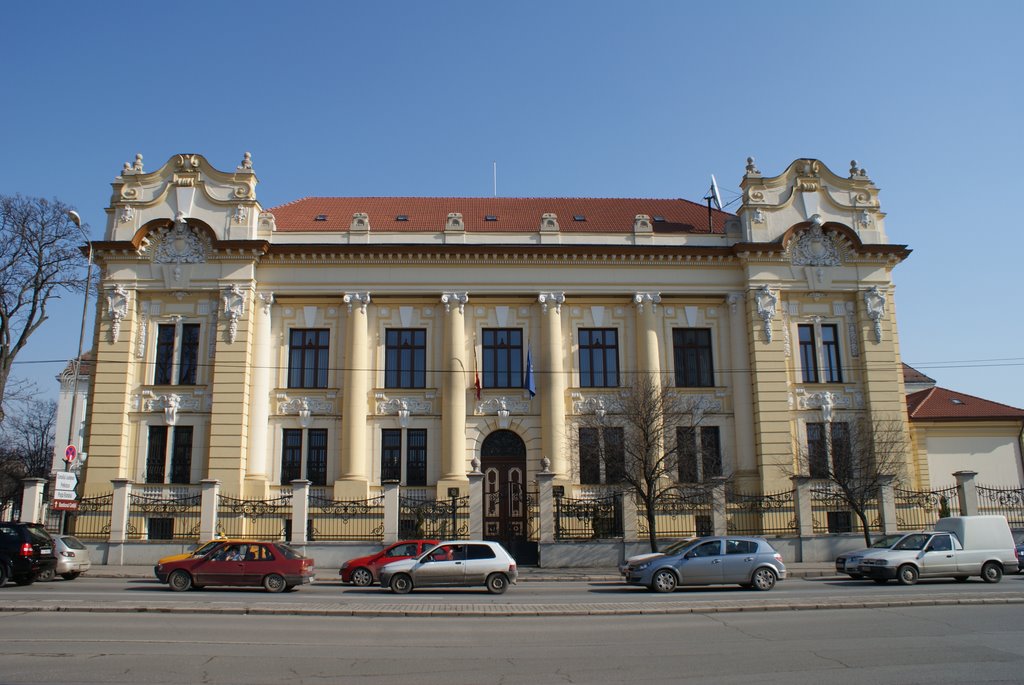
column 29, row 553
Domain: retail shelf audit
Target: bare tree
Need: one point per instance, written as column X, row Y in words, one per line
column 27, row 449
column 39, row 260
column 856, row 458
column 646, row 454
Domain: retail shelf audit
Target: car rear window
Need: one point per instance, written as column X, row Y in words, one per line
column 289, row 552
column 72, row 542
column 38, row 535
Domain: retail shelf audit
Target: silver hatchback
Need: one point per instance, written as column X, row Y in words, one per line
column 455, row 563
column 720, row 560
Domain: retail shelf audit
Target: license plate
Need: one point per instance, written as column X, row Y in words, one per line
column 45, row 550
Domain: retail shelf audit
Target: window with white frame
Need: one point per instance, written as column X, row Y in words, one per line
column 177, row 354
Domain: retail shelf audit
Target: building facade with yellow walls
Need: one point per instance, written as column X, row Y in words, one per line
column 356, row 341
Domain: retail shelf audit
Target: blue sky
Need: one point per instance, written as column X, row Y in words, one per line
column 601, row 99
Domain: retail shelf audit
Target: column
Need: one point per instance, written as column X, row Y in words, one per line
column 391, row 511
column 210, row 493
column 32, row 499
column 453, row 410
column 967, row 492
column 353, row 482
column 742, row 398
column 259, row 415
column 552, row 383
column 300, row 511
column 648, row 351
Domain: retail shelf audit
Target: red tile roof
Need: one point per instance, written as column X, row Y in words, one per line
column 912, row 375
column 514, row 215
column 940, row 404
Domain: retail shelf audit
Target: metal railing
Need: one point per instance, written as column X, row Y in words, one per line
column 831, row 511
column 588, row 519
column 920, row 509
column 258, row 519
column 685, row 514
column 332, row 519
column 433, row 519
column 92, row 520
column 162, row 517
column 1008, row 502
column 761, row 514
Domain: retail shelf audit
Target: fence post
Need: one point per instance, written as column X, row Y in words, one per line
column 630, row 522
column 719, row 519
column 208, row 509
column 546, row 505
column 476, row 502
column 967, row 492
column 32, row 499
column 804, row 509
column 390, row 511
column 119, row 505
column 887, row 505
column 300, row 511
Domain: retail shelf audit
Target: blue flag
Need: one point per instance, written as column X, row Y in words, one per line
column 528, row 382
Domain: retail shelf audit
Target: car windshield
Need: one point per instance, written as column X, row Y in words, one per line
column 676, row 546
column 912, row 542
column 885, row 542
column 206, row 548
column 72, row 542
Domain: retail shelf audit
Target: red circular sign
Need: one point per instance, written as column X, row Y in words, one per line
column 70, row 454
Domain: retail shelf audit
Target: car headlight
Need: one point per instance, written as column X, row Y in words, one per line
column 641, row 567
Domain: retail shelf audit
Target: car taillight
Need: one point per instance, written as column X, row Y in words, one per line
column 511, row 568
column 67, row 554
column 26, row 550
column 778, row 557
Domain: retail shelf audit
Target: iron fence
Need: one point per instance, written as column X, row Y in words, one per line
column 257, row 519
column 831, row 511
column 331, row 519
column 1006, row 501
column 761, row 514
column 92, row 520
column 687, row 513
column 164, row 518
column 433, row 519
column 920, row 509
column 588, row 519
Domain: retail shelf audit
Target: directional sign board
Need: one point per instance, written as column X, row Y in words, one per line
column 65, row 494
column 65, row 505
column 66, row 480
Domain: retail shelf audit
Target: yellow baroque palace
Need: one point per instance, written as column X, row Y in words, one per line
column 352, row 342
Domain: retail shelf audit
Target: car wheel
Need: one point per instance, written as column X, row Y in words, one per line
column 180, row 581
column 274, row 583
column 48, row 574
column 664, row 581
column 960, row 579
column 71, row 575
column 25, row 580
column 855, row 576
column 764, row 579
column 401, row 584
column 991, row 572
column 880, row 581
column 362, row 577
column 907, row 574
column 497, row 583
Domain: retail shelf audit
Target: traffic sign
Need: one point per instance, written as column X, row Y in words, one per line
column 66, row 480
column 65, row 494
column 70, row 453
column 65, row 505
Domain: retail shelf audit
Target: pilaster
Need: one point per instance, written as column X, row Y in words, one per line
column 256, row 468
column 353, row 482
column 552, row 384
column 773, row 440
column 453, row 414
column 739, row 380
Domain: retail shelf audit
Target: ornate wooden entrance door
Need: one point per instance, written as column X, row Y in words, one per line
column 506, row 499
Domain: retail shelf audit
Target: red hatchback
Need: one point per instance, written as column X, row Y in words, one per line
column 364, row 571
column 274, row 565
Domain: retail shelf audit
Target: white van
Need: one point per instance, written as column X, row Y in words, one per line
column 959, row 547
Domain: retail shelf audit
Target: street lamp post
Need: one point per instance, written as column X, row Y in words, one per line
column 77, row 220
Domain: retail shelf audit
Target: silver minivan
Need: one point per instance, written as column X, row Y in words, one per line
column 454, row 563
column 718, row 560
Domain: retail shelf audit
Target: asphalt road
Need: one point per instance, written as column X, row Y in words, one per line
column 934, row 645
column 541, row 598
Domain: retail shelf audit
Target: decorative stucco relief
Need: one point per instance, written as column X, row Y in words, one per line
column 117, row 309
column 766, row 301
column 874, row 299
column 234, row 309
column 814, row 247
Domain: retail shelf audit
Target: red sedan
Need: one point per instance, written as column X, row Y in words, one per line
column 364, row 571
column 274, row 565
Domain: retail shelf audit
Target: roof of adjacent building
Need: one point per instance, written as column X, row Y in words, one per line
column 912, row 375
column 497, row 214
column 940, row 404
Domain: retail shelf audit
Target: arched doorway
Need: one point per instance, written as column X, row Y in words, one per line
column 506, row 500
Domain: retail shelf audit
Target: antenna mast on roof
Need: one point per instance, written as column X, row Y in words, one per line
column 715, row 197
column 495, row 173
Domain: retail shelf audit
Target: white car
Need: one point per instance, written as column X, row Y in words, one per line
column 72, row 558
column 849, row 562
column 454, row 563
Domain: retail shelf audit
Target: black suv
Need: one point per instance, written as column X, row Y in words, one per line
column 26, row 550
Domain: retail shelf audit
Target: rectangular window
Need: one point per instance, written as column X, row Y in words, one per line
column 830, row 354
column 187, row 354
column 316, row 460
column 839, row 521
column 602, row 455
column 817, row 451
column 156, row 454
column 391, row 454
column 308, row 357
column 405, row 358
column 692, row 347
column 416, row 457
column 808, row 354
column 181, row 455
column 502, row 357
column 599, row 357
column 160, row 529
column 699, row 453
column 842, row 459
column 164, row 354
column 291, row 455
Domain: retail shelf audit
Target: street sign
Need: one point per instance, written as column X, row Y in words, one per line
column 65, row 494
column 66, row 480
column 70, row 453
column 65, row 505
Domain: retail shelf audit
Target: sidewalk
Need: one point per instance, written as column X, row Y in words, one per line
column 526, row 573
